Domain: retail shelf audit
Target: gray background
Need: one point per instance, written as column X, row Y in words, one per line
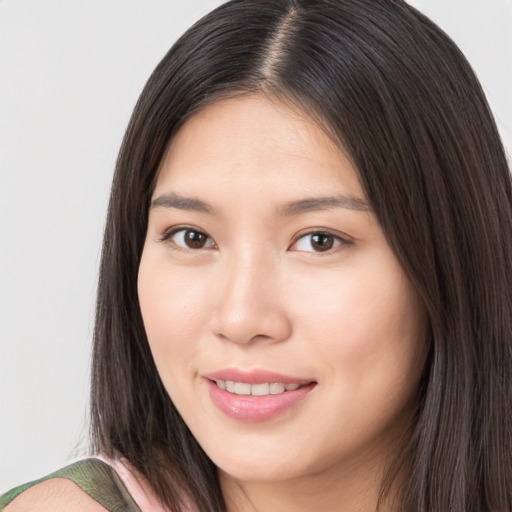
column 70, row 73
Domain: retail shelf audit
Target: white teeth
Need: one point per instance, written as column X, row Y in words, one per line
column 276, row 388
column 260, row 389
column 243, row 388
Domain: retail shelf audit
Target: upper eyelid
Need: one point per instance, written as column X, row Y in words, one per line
column 344, row 242
column 176, row 229
column 173, row 230
column 337, row 234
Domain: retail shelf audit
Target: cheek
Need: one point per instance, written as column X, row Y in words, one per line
column 369, row 325
column 172, row 306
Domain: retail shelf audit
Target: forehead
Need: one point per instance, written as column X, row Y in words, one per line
column 254, row 139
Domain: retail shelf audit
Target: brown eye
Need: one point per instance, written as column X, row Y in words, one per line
column 195, row 239
column 318, row 241
column 322, row 242
column 191, row 239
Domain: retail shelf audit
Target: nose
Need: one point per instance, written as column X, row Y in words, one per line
column 250, row 306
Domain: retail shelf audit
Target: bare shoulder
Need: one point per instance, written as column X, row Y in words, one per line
column 55, row 495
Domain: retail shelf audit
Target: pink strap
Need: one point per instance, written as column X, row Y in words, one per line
column 136, row 484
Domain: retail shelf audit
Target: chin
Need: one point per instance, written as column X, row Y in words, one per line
column 260, row 469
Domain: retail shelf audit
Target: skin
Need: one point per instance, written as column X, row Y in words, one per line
column 260, row 295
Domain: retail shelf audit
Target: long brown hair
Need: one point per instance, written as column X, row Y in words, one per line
column 402, row 101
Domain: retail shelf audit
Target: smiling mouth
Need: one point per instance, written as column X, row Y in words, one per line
column 266, row 395
column 264, row 389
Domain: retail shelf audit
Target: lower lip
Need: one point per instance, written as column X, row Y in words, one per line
column 253, row 409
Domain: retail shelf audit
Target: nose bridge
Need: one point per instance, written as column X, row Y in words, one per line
column 250, row 305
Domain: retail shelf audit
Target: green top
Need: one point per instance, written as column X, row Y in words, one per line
column 95, row 477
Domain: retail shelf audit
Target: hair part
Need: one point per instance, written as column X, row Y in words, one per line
column 400, row 99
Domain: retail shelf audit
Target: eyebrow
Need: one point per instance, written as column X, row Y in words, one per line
column 180, row 202
column 291, row 208
column 323, row 203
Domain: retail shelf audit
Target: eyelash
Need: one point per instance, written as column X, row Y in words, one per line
column 169, row 233
column 339, row 241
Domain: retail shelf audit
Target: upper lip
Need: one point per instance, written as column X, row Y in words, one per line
column 256, row 376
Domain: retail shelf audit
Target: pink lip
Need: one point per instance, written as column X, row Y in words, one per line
column 254, row 376
column 250, row 408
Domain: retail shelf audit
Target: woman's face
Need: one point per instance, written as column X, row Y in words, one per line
column 265, row 272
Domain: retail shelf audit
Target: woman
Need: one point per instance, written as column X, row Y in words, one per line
column 304, row 300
